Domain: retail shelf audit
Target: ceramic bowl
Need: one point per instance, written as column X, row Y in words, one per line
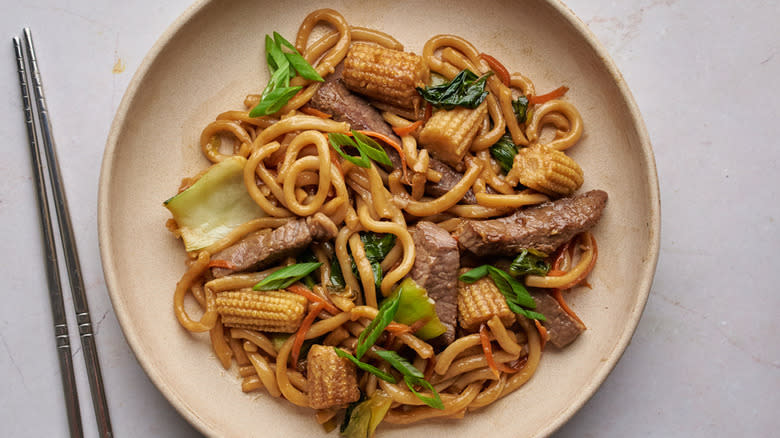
column 213, row 55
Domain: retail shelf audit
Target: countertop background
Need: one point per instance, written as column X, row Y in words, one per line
column 705, row 359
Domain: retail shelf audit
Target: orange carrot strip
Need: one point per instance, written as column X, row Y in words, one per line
column 398, row 328
column 392, row 143
column 587, row 271
column 497, row 67
column 220, row 264
column 554, row 94
column 300, row 335
column 558, row 295
column 428, row 112
column 487, row 349
column 314, row 112
column 314, row 298
column 542, row 332
column 408, row 129
column 556, row 273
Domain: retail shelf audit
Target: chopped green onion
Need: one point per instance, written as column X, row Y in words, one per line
column 366, row 147
column 384, row 316
column 517, row 297
column 366, row 367
column 413, row 377
column 286, row 276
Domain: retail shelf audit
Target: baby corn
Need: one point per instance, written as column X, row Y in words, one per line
column 546, row 170
column 332, row 379
column 387, row 75
column 480, row 301
column 448, row 134
column 271, row 311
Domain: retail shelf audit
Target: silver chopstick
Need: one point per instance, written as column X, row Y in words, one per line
column 70, row 251
column 52, row 265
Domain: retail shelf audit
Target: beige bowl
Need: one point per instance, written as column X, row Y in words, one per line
column 213, row 55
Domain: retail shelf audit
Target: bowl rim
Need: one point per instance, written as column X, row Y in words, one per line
column 643, row 288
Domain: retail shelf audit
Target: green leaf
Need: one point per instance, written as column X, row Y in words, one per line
column 529, row 262
column 384, row 316
column 434, row 402
column 465, row 89
column 474, row 274
column 366, row 367
column 377, row 245
column 371, row 148
column 286, row 276
column 520, row 108
column 336, row 276
column 504, row 151
column 274, row 101
column 337, row 140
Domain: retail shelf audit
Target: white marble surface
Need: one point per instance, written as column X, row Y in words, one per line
column 705, row 360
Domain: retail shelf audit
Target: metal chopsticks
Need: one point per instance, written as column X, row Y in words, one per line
column 68, row 247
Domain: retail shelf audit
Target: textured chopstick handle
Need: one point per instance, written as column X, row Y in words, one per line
column 70, row 250
column 50, row 256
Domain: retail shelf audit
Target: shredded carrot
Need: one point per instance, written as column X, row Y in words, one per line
column 496, row 367
column 220, row 264
column 420, row 323
column 558, row 295
column 314, row 112
column 592, row 263
column 314, row 298
column 300, row 335
column 392, row 143
column 555, row 273
column 428, row 112
column 542, row 332
column 554, row 94
column 497, row 67
column 487, row 349
column 408, row 129
column 397, row 328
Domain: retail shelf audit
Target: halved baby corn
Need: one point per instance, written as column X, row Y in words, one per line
column 448, row 133
column 332, row 379
column 268, row 311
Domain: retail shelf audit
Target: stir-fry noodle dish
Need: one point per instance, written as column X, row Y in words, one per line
column 384, row 236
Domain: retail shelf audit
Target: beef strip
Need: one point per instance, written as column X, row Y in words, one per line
column 264, row 248
column 335, row 99
column 449, row 177
column 561, row 327
column 436, row 269
column 543, row 227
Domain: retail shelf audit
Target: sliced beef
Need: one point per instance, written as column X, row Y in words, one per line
column 544, row 227
column 561, row 327
column 335, row 99
column 436, row 269
column 449, row 177
column 264, row 248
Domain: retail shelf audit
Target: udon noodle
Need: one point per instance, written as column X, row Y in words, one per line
column 291, row 171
